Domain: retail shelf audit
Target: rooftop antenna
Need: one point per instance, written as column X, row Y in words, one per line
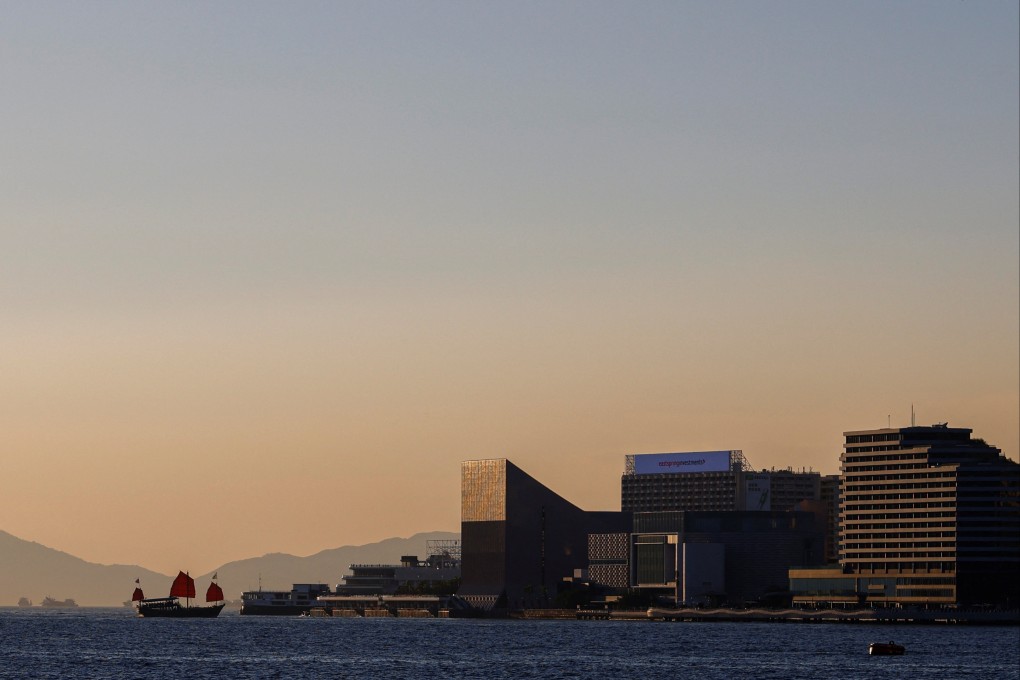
column 913, row 422
column 888, row 420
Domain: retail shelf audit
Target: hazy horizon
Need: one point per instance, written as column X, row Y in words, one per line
column 270, row 271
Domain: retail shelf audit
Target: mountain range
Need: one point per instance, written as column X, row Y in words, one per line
column 34, row 571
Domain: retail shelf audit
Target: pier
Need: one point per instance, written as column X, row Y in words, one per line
column 405, row 606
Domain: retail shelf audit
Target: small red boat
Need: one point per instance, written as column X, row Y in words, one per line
column 885, row 649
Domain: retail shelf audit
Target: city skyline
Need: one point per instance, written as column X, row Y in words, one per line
column 270, row 273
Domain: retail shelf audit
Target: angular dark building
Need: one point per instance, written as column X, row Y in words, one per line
column 519, row 539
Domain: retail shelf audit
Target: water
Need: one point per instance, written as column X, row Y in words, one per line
column 112, row 643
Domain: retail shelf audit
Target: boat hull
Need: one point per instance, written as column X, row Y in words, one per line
column 171, row 608
column 885, row 649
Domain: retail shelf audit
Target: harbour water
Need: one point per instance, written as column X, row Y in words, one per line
column 112, row 643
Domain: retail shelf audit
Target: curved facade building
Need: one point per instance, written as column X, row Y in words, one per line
column 934, row 511
column 929, row 517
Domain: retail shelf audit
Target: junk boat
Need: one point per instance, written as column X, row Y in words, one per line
column 171, row 607
column 885, row 649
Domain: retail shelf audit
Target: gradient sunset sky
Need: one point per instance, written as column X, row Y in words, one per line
column 270, row 270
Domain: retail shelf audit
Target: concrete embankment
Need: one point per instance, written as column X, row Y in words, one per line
column 909, row 616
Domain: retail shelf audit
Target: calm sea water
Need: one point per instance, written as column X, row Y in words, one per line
column 112, row 643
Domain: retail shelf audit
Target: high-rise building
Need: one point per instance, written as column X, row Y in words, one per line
column 933, row 507
column 787, row 488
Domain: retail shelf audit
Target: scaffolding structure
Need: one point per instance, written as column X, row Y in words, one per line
column 447, row 548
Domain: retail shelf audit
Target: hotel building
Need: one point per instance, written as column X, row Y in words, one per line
column 710, row 481
column 928, row 516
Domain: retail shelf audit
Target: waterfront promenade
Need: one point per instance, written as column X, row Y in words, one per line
column 880, row 615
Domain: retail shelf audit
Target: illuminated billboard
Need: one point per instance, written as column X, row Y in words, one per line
column 698, row 461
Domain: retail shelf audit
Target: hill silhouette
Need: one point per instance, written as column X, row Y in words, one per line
column 34, row 571
column 31, row 570
column 278, row 571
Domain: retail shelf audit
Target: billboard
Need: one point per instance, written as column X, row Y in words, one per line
column 757, row 492
column 698, row 461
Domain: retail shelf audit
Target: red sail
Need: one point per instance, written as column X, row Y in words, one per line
column 214, row 594
column 184, row 586
column 137, row 596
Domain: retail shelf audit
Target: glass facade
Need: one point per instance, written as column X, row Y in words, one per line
column 831, row 586
column 655, row 561
column 649, row 522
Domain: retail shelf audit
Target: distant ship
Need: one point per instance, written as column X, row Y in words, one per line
column 24, row 602
column 171, row 607
column 301, row 598
column 57, row 604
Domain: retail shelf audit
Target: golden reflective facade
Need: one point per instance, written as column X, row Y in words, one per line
column 483, row 490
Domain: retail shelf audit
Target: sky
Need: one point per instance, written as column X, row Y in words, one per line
column 270, row 271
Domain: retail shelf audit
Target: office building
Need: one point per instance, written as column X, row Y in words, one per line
column 658, row 482
column 710, row 481
column 829, row 491
column 787, row 488
column 708, row 557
